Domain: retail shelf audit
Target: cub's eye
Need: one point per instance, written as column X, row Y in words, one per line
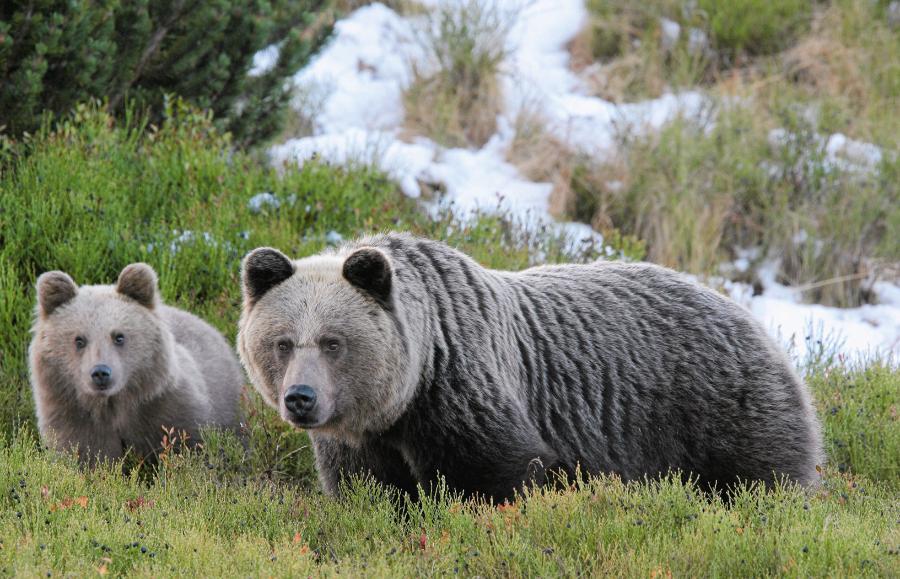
column 332, row 345
column 80, row 343
column 285, row 346
column 118, row 339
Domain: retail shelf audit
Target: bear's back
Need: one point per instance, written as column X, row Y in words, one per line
column 655, row 371
column 215, row 360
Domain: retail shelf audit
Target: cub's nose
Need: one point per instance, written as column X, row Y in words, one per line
column 101, row 375
column 299, row 399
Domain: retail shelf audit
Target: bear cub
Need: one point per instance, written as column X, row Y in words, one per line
column 111, row 367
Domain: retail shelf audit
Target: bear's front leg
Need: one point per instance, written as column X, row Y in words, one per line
column 337, row 461
column 92, row 443
column 495, row 469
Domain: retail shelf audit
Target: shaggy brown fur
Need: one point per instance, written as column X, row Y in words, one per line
column 111, row 366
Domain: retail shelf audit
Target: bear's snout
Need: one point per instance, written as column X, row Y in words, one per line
column 300, row 401
column 101, row 375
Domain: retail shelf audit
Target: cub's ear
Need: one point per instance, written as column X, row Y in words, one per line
column 54, row 288
column 369, row 269
column 263, row 269
column 138, row 281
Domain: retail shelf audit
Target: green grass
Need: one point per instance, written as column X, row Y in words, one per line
column 91, row 196
column 862, row 419
column 192, row 521
column 753, row 26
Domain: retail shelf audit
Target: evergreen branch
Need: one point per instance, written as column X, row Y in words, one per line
column 150, row 51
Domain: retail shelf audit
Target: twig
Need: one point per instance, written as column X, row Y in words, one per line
column 839, row 279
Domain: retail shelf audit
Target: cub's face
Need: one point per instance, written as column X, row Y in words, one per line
column 97, row 340
column 318, row 339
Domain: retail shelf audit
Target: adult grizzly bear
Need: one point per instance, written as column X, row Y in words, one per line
column 407, row 360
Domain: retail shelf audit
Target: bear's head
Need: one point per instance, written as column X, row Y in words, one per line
column 96, row 341
column 320, row 339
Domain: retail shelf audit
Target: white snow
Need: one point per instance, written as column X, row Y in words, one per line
column 262, row 200
column 859, row 333
column 362, row 73
column 671, row 30
column 364, row 69
column 264, row 61
column 838, row 151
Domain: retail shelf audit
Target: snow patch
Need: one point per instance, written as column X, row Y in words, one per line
column 862, row 332
column 838, row 151
column 261, row 201
column 671, row 30
column 363, row 70
column 264, row 60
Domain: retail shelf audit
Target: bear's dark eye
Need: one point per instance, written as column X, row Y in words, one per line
column 80, row 343
column 332, row 345
column 118, row 339
column 285, row 345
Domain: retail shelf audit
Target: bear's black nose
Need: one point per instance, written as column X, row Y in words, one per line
column 299, row 399
column 101, row 375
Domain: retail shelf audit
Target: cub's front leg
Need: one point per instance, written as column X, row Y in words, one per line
column 92, row 443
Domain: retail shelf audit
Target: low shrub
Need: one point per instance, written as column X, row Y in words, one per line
column 753, row 27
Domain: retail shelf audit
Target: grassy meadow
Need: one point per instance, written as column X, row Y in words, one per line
column 94, row 195
column 90, row 193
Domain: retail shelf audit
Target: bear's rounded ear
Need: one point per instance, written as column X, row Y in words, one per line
column 54, row 288
column 263, row 269
column 369, row 269
column 138, row 282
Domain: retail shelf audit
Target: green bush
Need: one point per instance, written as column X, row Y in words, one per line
column 862, row 424
column 55, row 54
column 754, row 27
column 90, row 196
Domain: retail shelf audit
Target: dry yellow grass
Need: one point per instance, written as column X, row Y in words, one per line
column 543, row 157
column 453, row 115
column 455, row 95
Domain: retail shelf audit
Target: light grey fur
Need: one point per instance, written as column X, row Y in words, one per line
column 172, row 370
column 494, row 378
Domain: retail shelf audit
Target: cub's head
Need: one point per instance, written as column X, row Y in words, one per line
column 94, row 341
column 320, row 339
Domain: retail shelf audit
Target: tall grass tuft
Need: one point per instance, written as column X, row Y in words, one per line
column 455, row 95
